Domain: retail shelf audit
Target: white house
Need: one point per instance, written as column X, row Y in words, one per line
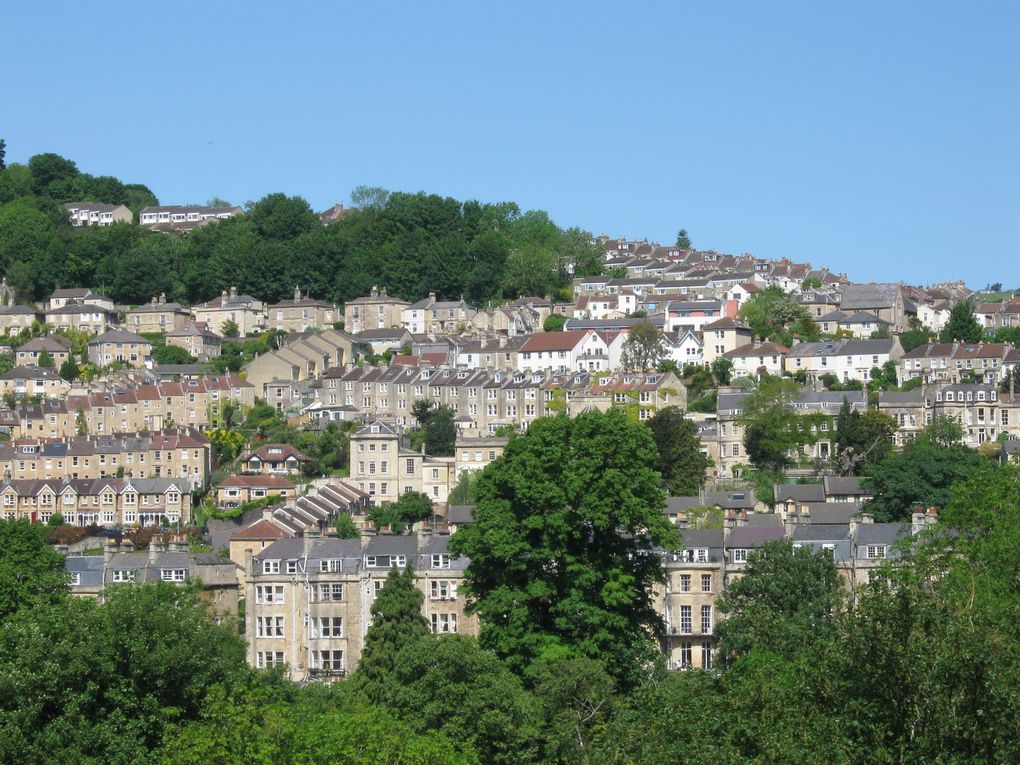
column 570, row 351
column 753, row 359
column 846, row 359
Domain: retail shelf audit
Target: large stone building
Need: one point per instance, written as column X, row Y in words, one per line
column 308, row 599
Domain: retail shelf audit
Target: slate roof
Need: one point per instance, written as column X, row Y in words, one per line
column 868, row 296
column 754, row 536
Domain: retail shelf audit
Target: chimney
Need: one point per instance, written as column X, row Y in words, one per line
column 155, row 547
column 233, row 292
column 297, row 293
column 108, row 550
column 375, row 291
column 127, row 546
column 162, row 297
column 249, row 564
column 223, row 295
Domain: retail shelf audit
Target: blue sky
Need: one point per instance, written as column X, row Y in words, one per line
column 881, row 139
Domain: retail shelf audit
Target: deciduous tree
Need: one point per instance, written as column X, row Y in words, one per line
column 562, row 546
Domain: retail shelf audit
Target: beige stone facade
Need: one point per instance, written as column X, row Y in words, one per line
column 308, row 600
column 376, row 311
column 103, row 501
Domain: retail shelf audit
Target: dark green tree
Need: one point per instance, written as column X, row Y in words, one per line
column 962, row 325
column 171, row 354
column 680, row 460
column 410, row 508
column 451, row 686
column 45, row 359
column 683, row 240
column 345, row 527
column 562, row 546
column 554, row 322
column 396, row 622
column 787, row 599
column 70, row 370
column 722, row 370
column 773, row 430
column 919, row 476
column 31, row 571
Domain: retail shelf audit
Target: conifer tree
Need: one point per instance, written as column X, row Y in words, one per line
column 396, row 623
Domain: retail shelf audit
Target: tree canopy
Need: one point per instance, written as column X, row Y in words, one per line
column 962, row 325
column 561, row 550
column 680, row 461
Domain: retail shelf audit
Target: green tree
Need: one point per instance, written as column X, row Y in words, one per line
column 862, row 438
column 86, row 682
column 410, row 508
column 683, row 239
column 46, row 360
column 944, row 431
column 554, row 322
column 962, row 325
column 3, row 154
column 773, row 315
column 396, row 622
column 171, row 354
column 70, row 370
column 561, row 547
column 644, row 347
column 722, row 370
column 773, row 430
column 786, row 600
column 451, row 686
column 680, row 460
column 369, row 197
column 230, row 329
column 919, row 476
column 345, row 527
column 577, row 699
column 31, row 571
column 811, row 283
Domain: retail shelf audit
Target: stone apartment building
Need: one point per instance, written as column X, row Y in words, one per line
column 156, row 316
column 29, row 381
column 112, row 502
column 240, row 489
column 16, row 318
column 84, row 317
column 722, row 336
column 301, row 313
column 246, row 312
column 308, row 599
column 376, row 311
column 958, row 362
column 437, row 317
column 304, row 357
column 729, row 432
column 135, row 409
column 120, row 346
column 28, row 354
column 845, row 359
column 694, row 580
column 197, row 339
column 181, row 454
column 981, row 408
column 171, row 562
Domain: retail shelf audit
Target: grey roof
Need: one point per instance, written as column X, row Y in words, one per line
column 389, row 544
column 895, row 398
column 828, row 513
column 731, row 500
column 730, row 402
column 711, row 538
column 460, row 514
column 677, row 505
column 118, row 336
column 881, row 533
column 838, row 485
column 88, row 567
column 754, row 536
column 811, row 492
column 763, row 519
column 821, row 532
column 866, row 296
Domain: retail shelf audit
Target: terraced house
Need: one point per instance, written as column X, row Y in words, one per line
column 193, row 403
column 103, row 501
column 182, row 454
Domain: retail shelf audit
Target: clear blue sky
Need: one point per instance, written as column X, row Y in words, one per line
column 882, row 138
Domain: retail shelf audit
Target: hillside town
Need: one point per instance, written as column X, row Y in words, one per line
column 109, row 432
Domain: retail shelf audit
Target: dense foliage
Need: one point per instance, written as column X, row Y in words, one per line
column 680, row 460
column 561, row 549
column 412, row 244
